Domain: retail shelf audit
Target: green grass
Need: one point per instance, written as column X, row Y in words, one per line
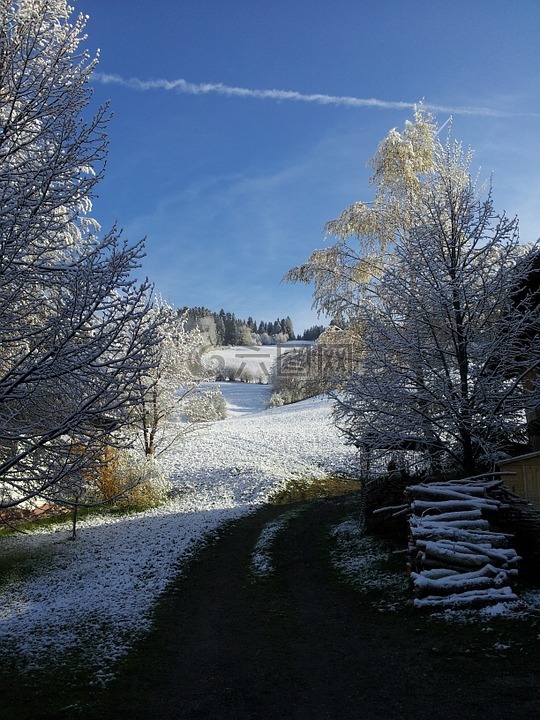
column 43, row 521
column 304, row 489
column 63, row 517
column 16, row 566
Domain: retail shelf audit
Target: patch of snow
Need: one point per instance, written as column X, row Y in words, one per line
column 258, row 359
column 532, row 599
column 254, row 357
column 511, row 609
column 243, row 398
column 359, row 559
column 501, row 646
column 261, row 561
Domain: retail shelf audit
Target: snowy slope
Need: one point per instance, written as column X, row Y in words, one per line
column 97, row 593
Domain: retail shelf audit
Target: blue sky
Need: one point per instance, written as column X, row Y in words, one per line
column 233, row 187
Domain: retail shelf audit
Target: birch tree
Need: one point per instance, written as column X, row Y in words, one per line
column 364, row 234
column 73, row 322
column 446, row 349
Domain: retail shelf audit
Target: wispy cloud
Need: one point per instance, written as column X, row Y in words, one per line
column 188, row 88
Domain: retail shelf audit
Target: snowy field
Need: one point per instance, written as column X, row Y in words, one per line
column 258, row 360
column 242, row 400
column 94, row 595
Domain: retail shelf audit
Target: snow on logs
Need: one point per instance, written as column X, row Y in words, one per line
column 456, row 559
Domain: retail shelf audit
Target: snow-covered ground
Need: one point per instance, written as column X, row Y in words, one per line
column 259, row 360
column 241, row 400
column 96, row 594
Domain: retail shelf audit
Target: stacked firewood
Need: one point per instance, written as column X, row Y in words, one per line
column 456, row 558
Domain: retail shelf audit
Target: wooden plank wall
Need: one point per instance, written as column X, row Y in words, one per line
column 526, row 481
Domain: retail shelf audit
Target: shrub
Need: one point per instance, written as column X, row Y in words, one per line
column 130, row 479
column 229, row 373
column 247, row 375
column 276, row 400
column 207, row 406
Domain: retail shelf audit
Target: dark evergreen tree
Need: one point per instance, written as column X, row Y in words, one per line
column 288, row 329
column 312, row 333
column 230, row 330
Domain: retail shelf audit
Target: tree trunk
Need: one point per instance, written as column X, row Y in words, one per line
column 74, row 519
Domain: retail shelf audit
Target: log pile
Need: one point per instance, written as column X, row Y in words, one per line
column 456, row 558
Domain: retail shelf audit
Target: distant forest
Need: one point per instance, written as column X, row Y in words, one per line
column 224, row 328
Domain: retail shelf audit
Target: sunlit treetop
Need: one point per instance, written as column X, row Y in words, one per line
column 406, row 165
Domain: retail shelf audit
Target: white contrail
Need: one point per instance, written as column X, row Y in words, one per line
column 183, row 86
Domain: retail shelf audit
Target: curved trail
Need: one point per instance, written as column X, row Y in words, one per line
column 299, row 643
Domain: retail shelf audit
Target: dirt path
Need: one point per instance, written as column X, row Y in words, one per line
column 300, row 643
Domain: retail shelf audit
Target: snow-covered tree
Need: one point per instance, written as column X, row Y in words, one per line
column 247, row 336
column 172, row 398
column 365, row 232
column 446, row 349
column 288, row 328
column 73, row 322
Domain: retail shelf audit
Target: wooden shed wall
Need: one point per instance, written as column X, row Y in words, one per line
column 526, row 481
